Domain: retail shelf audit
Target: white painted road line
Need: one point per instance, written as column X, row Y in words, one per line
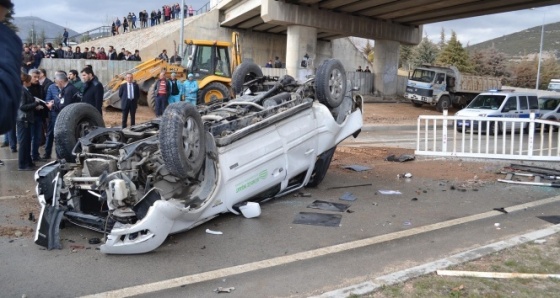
column 407, row 274
column 306, row 255
column 15, row 197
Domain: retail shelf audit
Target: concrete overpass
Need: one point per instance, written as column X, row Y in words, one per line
column 389, row 22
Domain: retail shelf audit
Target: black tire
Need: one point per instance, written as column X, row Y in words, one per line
column 145, row 88
column 321, row 166
column 245, row 72
column 443, row 103
column 182, row 140
column 213, row 92
column 72, row 123
column 151, row 97
column 417, row 104
column 547, row 127
column 330, row 83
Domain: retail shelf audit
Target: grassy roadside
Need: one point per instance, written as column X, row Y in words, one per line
column 531, row 257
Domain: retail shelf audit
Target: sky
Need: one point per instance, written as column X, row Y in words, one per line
column 85, row 15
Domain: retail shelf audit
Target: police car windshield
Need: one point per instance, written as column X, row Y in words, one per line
column 423, row 75
column 487, row 102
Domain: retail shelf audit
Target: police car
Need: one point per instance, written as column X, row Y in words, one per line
column 502, row 103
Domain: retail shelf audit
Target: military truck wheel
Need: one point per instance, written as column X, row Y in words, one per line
column 330, row 83
column 417, row 104
column 245, row 72
column 72, row 123
column 321, row 166
column 151, row 97
column 182, row 140
column 213, row 92
column 443, row 104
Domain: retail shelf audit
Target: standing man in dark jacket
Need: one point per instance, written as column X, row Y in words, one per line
column 129, row 94
column 40, row 114
column 65, row 36
column 93, row 89
column 60, row 52
column 162, row 90
column 68, row 93
column 25, row 119
column 10, row 81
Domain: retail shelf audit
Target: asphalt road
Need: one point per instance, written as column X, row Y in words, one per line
column 270, row 256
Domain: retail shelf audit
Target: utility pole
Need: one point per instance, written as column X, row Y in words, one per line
column 182, row 35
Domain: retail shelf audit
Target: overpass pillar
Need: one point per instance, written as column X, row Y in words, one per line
column 385, row 67
column 301, row 40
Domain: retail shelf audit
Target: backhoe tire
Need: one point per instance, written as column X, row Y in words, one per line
column 72, row 123
column 213, row 92
column 245, row 72
column 151, row 97
column 144, row 88
column 330, row 83
column 182, row 140
column 444, row 103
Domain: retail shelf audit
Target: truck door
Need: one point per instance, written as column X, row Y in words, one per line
column 439, row 83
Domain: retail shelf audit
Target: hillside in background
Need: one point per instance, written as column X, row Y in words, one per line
column 525, row 42
column 52, row 30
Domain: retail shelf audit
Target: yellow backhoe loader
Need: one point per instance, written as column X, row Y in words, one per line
column 211, row 62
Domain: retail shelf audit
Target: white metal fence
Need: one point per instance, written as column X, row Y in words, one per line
column 483, row 137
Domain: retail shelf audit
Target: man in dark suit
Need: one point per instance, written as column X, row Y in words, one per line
column 129, row 93
column 93, row 89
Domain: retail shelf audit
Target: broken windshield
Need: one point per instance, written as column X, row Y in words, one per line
column 423, row 75
column 487, row 102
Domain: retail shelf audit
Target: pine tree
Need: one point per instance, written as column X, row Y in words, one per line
column 441, row 44
column 368, row 50
column 425, row 52
column 405, row 56
column 9, row 21
column 490, row 62
column 454, row 54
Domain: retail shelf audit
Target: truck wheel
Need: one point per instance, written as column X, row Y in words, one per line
column 73, row 122
column 321, row 166
column 417, row 104
column 182, row 140
column 213, row 92
column 443, row 104
column 330, row 83
column 151, row 97
column 245, row 72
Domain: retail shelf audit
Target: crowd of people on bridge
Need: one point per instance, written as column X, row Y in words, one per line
column 148, row 19
column 33, row 54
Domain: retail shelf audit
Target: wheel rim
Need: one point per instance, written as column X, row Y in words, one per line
column 84, row 127
column 336, row 83
column 191, row 139
column 212, row 95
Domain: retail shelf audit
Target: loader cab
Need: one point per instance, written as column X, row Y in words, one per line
column 207, row 59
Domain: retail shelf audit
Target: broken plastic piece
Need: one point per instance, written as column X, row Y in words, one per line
column 390, row 192
column 224, row 290
column 208, row 231
column 401, row 158
column 328, row 206
column 94, row 241
column 357, row 168
column 348, row 196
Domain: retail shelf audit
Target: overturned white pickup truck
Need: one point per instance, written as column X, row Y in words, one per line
column 140, row 184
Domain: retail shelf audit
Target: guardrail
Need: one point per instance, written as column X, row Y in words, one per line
column 483, row 137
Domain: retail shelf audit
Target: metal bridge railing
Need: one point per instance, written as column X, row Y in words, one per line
column 483, row 137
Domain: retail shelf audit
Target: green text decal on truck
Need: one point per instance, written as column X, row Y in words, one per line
column 446, row 86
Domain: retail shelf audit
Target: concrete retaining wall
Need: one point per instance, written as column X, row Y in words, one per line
column 105, row 70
